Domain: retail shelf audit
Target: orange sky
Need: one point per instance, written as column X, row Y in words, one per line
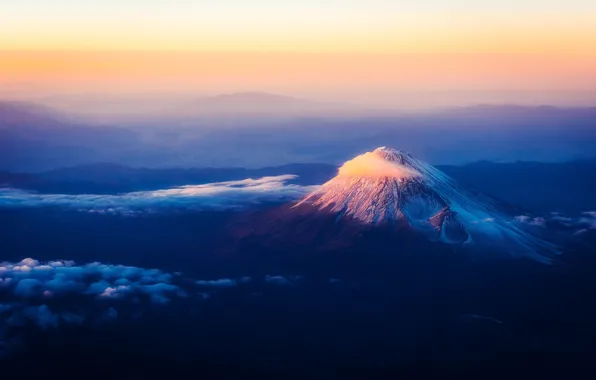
column 296, row 71
column 341, row 49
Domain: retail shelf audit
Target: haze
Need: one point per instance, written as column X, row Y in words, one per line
column 233, row 83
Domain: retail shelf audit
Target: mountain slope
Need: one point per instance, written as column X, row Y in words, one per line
column 393, row 191
column 24, row 115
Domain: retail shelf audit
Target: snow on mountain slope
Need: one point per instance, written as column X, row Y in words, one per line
column 388, row 186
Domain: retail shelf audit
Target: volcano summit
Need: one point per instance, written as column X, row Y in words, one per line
column 389, row 190
column 389, row 186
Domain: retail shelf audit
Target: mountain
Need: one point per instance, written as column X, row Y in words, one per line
column 388, row 186
column 160, row 109
column 257, row 129
column 18, row 180
column 524, row 111
column 261, row 104
column 541, row 187
column 391, row 191
column 109, row 178
column 15, row 114
column 252, row 100
column 526, row 184
column 35, row 136
column 136, row 178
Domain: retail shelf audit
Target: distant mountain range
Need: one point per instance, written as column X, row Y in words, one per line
column 21, row 114
column 113, row 108
column 148, row 108
column 246, row 129
column 540, row 187
column 258, row 103
column 107, row 178
column 500, row 110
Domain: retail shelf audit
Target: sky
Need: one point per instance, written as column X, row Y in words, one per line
column 354, row 50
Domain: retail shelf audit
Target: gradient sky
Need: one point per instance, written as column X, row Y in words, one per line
column 338, row 49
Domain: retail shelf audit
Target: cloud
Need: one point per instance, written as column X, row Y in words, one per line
column 28, row 287
column 28, row 279
column 535, row 221
column 371, row 164
column 219, row 196
column 51, row 294
column 279, row 280
column 42, row 316
column 220, row 283
column 580, row 223
column 282, row 280
column 48, row 295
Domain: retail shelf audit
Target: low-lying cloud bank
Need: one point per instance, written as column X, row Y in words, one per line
column 217, row 196
column 579, row 224
column 48, row 295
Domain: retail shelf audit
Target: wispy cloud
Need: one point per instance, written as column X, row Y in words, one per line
column 219, row 195
column 579, row 223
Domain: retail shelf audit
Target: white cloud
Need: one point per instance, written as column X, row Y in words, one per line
column 28, row 279
column 534, row 221
column 582, row 223
column 219, row 195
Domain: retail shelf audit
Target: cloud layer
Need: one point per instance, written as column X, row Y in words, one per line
column 371, row 165
column 219, row 196
column 30, row 280
column 48, row 295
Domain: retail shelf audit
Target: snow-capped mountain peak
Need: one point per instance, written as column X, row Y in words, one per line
column 388, row 186
column 384, row 185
